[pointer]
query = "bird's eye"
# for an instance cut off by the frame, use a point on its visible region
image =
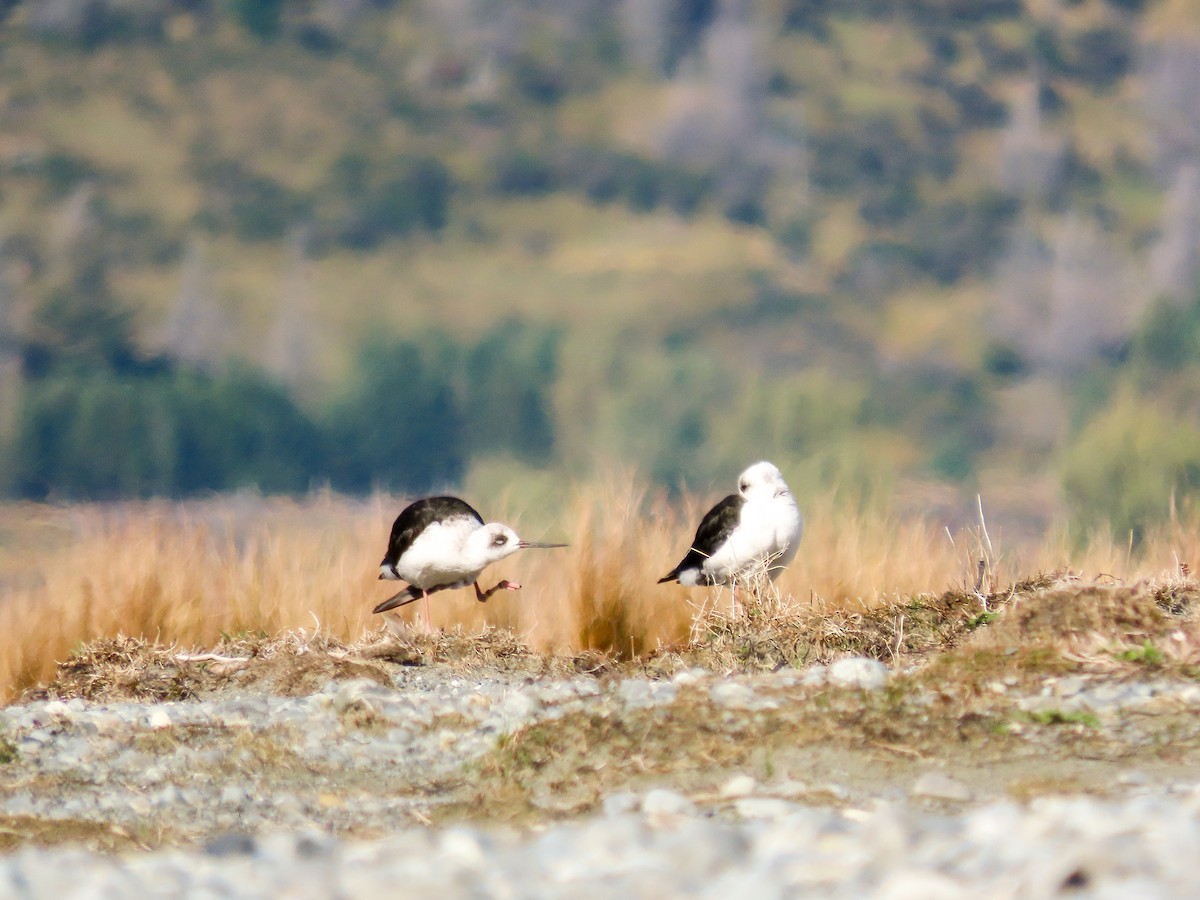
(500, 539)
(743, 486)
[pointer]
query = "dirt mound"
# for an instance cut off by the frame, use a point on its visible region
(1049, 623)
(295, 664)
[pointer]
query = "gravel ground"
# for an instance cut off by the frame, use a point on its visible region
(1141, 847)
(1084, 785)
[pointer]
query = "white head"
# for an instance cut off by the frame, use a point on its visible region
(762, 481)
(496, 541)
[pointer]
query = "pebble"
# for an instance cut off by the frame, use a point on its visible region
(355, 695)
(732, 694)
(790, 789)
(1069, 686)
(158, 718)
(246, 836)
(739, 786)
(691, 676)
(815, 676)
(1140, 847)
(763, 808)
(640, 694)
(858, 672)
(938, 786)
(620, 803)
(661, 804)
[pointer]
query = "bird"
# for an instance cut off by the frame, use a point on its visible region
(749, 534)
(439, 543)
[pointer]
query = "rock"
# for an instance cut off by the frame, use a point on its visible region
(691, 676)
(763, 808)
(815, 676)
(637, 693)
(938, 786)
(858, 672)
(56, 709)
(732, 694)
(462, 847)
(158, 718)
(913, 884)
(790, 789)
(313, 846)
(1189, 695)
(166, 796)
(739, 786)
(358, 695)
(620, 803)
(518, 707)
(661, 806)
(36, 739)
(232, 844)
(1069, 686)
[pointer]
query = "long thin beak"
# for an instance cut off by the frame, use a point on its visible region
(538, 545)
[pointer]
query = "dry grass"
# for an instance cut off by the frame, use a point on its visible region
(213, 573)
(295, 663)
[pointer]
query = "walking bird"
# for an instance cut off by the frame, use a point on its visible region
(440, 543)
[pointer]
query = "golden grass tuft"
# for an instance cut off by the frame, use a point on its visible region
(197, 574)
(188, 574)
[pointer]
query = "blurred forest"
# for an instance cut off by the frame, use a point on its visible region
(924, 248)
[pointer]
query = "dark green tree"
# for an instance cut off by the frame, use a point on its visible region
(103, 435)
(509, 376)
(260, 17)
(400, 426)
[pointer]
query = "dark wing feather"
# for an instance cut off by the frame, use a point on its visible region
(420, 515)
(716, 526)
(406, 596)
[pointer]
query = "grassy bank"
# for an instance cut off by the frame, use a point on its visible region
(197, 573)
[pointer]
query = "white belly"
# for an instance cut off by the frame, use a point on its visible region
(436, 557)
(764, 542)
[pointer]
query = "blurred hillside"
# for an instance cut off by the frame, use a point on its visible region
(944, 246)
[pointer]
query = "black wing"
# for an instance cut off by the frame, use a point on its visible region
(406, 596)
(420, 515)
(716, 526)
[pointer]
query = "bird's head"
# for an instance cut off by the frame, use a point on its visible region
(496, 541)
(762, 481)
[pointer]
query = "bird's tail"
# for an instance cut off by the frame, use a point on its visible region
(408, 595)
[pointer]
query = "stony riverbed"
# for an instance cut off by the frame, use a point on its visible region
(852, 779)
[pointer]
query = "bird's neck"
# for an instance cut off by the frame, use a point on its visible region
(477, 550)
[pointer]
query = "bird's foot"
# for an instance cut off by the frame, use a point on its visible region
(505, 585)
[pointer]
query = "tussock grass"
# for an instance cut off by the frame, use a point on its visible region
(1105, 628)
(237, 572)
(186, 574)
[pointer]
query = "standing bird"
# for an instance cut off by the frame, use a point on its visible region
(748, 534)
(440, 543)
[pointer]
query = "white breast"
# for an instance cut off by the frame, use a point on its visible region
(436, 556)
(767, 535)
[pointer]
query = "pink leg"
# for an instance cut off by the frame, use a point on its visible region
(505, 585)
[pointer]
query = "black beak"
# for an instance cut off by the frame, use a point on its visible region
(537, 545)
